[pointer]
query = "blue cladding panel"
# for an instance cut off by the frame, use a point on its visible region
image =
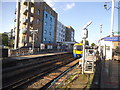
(49, 27)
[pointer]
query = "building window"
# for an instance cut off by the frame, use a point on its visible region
(36, 38)
(45, 23)
(49, 41)
(46, 15)
(50, 19)
(50, 12)
(38, 21)
(38, 12)
(45, 7)
(45, 31)
(38, 3)
(50, 33)
(50, 26)
(44, 39)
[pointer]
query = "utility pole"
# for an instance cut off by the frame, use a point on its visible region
(33, 41)
(17, 25)
(100, 38)
(112, 26)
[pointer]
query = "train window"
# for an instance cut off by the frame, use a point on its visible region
(78, 48)
(74, 47)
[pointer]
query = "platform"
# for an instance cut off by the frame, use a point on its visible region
(11, 59)
(110, 75)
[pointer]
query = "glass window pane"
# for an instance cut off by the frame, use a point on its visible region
(38, 21)
(38, 12)
(38, 3)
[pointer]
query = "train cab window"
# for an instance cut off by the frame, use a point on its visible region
(78, 48)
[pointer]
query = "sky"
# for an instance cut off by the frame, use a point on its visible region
(75, 14)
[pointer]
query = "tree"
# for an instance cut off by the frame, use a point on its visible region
(93, 44)
(86, 42)
(4, 38)
(11, 43)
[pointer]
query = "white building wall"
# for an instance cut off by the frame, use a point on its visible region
(60, 33)
(107, 52)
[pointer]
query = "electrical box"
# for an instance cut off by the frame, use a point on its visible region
(85, 34)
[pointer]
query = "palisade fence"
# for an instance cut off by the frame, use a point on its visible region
(19, 52)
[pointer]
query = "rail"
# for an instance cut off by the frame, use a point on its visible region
(16, 76)
(62, 74)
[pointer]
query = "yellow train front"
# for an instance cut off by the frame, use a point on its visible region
(78, 50)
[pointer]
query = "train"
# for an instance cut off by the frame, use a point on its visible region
(77, 50)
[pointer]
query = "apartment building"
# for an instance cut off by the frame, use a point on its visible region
(36, 22)
(69, 36)
(60, 32)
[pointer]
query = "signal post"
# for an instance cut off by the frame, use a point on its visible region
(84, 37)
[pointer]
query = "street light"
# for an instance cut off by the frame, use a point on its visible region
(33, 44)
(106, 7)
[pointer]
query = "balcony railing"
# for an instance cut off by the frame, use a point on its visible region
(25, 2)
(32, 4)
(25, 11)
(24, 31)
(24, 21)
(32, 15)
(31, 23)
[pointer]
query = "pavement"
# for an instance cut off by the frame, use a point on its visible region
(110, 75)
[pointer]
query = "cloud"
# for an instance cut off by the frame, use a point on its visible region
(69, 6)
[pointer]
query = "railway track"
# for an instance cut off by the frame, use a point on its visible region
(56, 77)
(28, 71)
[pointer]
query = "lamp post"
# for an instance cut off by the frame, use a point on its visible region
(33, 44)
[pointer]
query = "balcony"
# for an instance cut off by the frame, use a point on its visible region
(15, 20)
(24, 21)
(24, 31)
(25, 2)
(32, 15)
(32, 4)
(31, 23)
(25, 11)
(15, 11)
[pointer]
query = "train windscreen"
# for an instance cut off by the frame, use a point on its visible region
(78, 47)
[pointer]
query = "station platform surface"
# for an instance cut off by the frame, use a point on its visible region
(110, 75)
(37, 55)
(34, 55)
